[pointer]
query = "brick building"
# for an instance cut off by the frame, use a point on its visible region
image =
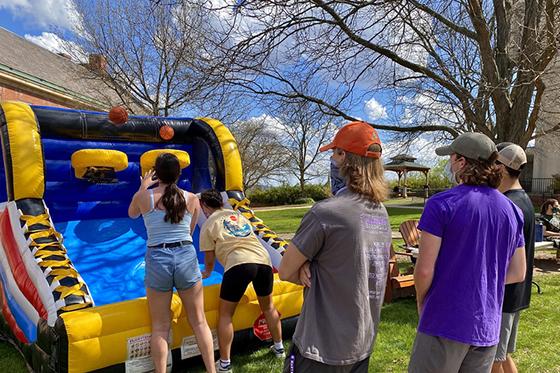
(32, 74)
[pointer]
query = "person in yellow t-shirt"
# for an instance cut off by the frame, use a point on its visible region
(227, 235)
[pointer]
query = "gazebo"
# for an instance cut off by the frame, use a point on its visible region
(402, 164)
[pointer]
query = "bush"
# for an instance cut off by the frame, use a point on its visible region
(287, 195)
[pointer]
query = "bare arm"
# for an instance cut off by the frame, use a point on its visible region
(425, 265)
(517, 267)
(292, 261)
(194, 208)
(134, 208)
(209, 260)
(551, 234)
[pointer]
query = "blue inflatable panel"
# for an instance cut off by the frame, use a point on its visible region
(70, 198)
(109, 255)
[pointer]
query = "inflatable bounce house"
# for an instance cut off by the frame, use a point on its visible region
(71, 261)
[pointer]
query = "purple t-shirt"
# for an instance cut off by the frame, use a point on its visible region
(480, 230)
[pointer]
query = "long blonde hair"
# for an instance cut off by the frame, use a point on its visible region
(365, 176)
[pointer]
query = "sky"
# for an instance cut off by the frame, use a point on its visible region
(39, 20)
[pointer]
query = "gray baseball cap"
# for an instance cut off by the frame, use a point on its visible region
(472, 145)
(513, 156)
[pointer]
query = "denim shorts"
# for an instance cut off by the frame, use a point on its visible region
(172, 267)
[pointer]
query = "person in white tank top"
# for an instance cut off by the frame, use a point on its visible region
(171, 262)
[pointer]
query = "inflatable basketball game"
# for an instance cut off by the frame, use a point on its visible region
(71, 261)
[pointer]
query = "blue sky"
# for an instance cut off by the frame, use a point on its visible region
(37, 21)
(34, 17)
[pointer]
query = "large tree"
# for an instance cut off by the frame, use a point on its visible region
(263, 156)
(302, 130)
(451, 65)
(151, 51)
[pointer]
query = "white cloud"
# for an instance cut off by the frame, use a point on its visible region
(375, 110)
(44, 13)
(271, 122)
(55, 44)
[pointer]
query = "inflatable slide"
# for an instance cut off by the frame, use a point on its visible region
(71, 261)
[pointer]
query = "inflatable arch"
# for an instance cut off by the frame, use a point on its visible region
(72, 262)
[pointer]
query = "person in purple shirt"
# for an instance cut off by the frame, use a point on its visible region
(471, 245)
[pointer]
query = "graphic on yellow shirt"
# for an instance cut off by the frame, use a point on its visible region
(236, 227)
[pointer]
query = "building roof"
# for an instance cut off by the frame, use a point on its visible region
(403, 162)
(31, 67)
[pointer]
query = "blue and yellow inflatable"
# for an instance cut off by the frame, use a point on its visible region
(72, 262)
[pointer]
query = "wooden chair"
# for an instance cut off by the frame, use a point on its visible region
(398, 285)
(411, 236)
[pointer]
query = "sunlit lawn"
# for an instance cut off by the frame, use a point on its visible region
(538, 343)
(537, 348)
(287, 221)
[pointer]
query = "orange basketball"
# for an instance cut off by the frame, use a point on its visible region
(118, 115)
(166, 132)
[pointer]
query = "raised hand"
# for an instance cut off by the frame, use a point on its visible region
(148, 180)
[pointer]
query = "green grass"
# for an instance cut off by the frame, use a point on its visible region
(10, 360)
(287, 221)
(537, 345)
(398, 215)
(410, 201)
(283, 221)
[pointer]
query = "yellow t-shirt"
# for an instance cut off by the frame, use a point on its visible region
(231, 236)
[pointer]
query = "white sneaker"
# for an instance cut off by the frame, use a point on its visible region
(279, 353)
(221, 369)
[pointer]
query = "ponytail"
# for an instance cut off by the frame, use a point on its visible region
(174, 202)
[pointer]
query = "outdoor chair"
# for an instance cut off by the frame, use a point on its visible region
(398, 285)
(411, 236)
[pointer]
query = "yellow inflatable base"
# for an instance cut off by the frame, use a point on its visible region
(107, 335)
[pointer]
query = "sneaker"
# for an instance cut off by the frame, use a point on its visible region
(227, 369)
(278, 352)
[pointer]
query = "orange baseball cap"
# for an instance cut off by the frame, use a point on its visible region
(355, 137)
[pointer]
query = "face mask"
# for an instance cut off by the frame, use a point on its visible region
(450, 174)
(337, 182)
(555, 210)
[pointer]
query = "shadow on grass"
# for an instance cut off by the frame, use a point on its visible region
(401, 311)
(248, 353)
(547, 265)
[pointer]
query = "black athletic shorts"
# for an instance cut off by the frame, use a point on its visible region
(237, 278)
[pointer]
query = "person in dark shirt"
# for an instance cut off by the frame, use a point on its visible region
(549, 218)
(512, 159)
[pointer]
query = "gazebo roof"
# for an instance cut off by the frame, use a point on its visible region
(403, 162)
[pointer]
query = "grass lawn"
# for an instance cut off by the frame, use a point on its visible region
(410, 201)
(537, 346)
(10, 360)
(283, 221)
(287, 221)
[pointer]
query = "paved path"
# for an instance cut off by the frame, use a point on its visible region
(289, 236)
(292, 207)
(276, 208)
(405, 207)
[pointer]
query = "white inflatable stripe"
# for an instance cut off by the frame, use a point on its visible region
(33, 269)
